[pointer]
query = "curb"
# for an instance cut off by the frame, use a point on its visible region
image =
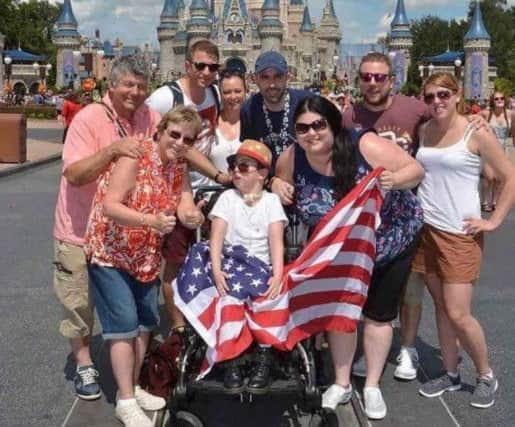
(29, 165)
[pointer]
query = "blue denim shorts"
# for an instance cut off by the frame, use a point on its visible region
(125, 306)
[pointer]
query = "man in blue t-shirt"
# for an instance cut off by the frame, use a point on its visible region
(267, 116)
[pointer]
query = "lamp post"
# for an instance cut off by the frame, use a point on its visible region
(335, 60)
(8, 70)
(457, 68)
(41, 71)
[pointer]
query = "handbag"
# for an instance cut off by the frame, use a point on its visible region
(160, 371)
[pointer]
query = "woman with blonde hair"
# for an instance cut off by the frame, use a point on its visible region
(451, 152)
(138, 201)
(502, 121)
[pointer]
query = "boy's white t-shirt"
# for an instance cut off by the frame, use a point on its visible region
(248, 225)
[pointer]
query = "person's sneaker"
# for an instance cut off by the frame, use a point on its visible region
(407, 364)
(131, 415)
(484, 393)
(86, 383)
(375, 407)
(335, 395)
(359, 367)
(148, 401)
(436, 387)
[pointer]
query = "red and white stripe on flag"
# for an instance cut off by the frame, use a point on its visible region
(323, 290)
(326, 287)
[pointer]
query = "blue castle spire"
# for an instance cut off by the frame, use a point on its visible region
(330, 8)
(67, 17)
(271, 5)
(400, 17)
(169, 9)
(297, 2)
(306, 21)
(198, 5)
(477, 29)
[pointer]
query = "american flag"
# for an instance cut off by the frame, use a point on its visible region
(324, 289)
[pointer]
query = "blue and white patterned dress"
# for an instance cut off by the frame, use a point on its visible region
(401, 214)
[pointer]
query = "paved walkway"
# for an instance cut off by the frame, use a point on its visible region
(38, 151)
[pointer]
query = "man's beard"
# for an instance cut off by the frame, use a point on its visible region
(382, 101)
(274, 99)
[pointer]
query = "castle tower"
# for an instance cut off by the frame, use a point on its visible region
(198, 26)
(67, 40)
(165, 34)
(399, 46)
(271, 28)
(295, 12)
(306, 40)
(330, 36)
(477, 45)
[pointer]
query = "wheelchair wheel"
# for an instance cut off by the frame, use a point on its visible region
(160, 418)
(186, 419)
(324, 419)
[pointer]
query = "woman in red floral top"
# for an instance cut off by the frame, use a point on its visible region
(137, 202)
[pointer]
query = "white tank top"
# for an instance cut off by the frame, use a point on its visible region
(449, 191)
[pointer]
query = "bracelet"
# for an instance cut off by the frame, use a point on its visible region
(217, 176)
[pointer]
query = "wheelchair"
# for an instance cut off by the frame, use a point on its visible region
(293, 373)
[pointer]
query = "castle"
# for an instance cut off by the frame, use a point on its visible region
(242, 29)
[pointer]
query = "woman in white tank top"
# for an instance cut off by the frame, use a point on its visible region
(451, 152)
(233, 93)
(502, 121)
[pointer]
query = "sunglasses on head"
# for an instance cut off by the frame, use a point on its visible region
(499, 98)
(201, 66)
(185, 139)
(443, 95)
(317, 126)
(378, 77)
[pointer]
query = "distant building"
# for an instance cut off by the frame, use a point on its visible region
(242, 29)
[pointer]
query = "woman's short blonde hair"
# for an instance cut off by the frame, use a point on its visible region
(181, 115)
(448, 81)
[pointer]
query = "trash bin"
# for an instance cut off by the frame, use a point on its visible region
(13, 138)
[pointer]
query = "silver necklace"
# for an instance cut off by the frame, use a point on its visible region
(278, 142)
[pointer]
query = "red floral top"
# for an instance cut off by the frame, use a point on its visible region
(136, 250)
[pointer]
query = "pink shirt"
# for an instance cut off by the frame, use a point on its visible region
(90, 132)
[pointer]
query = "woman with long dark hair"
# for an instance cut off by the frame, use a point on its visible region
(321, 169)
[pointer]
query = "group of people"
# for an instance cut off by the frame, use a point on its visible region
(132, 163)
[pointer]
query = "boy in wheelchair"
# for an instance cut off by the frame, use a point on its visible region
(242, 261)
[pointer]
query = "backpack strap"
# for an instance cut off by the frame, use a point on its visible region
(178, 96)
(216, 95)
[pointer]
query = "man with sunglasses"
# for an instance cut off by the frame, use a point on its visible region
(195, 89)
(267, 116)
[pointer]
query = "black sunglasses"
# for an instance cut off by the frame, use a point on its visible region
(201, 66)
(499, 98)
(378, 77)
(185, 139)
(317, 126)
(443, 95)
(243, 166)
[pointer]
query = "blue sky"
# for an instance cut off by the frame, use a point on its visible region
(362, 21)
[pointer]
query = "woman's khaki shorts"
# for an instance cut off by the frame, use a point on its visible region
(454, 258)
(72, 290)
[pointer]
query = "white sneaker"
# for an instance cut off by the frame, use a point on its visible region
(335, 395)
(148, 401)
(375, 408)
(131, 415)
(407, 364)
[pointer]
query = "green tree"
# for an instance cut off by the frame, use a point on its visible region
(30, 26)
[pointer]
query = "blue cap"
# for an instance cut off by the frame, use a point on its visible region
(271, 59)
